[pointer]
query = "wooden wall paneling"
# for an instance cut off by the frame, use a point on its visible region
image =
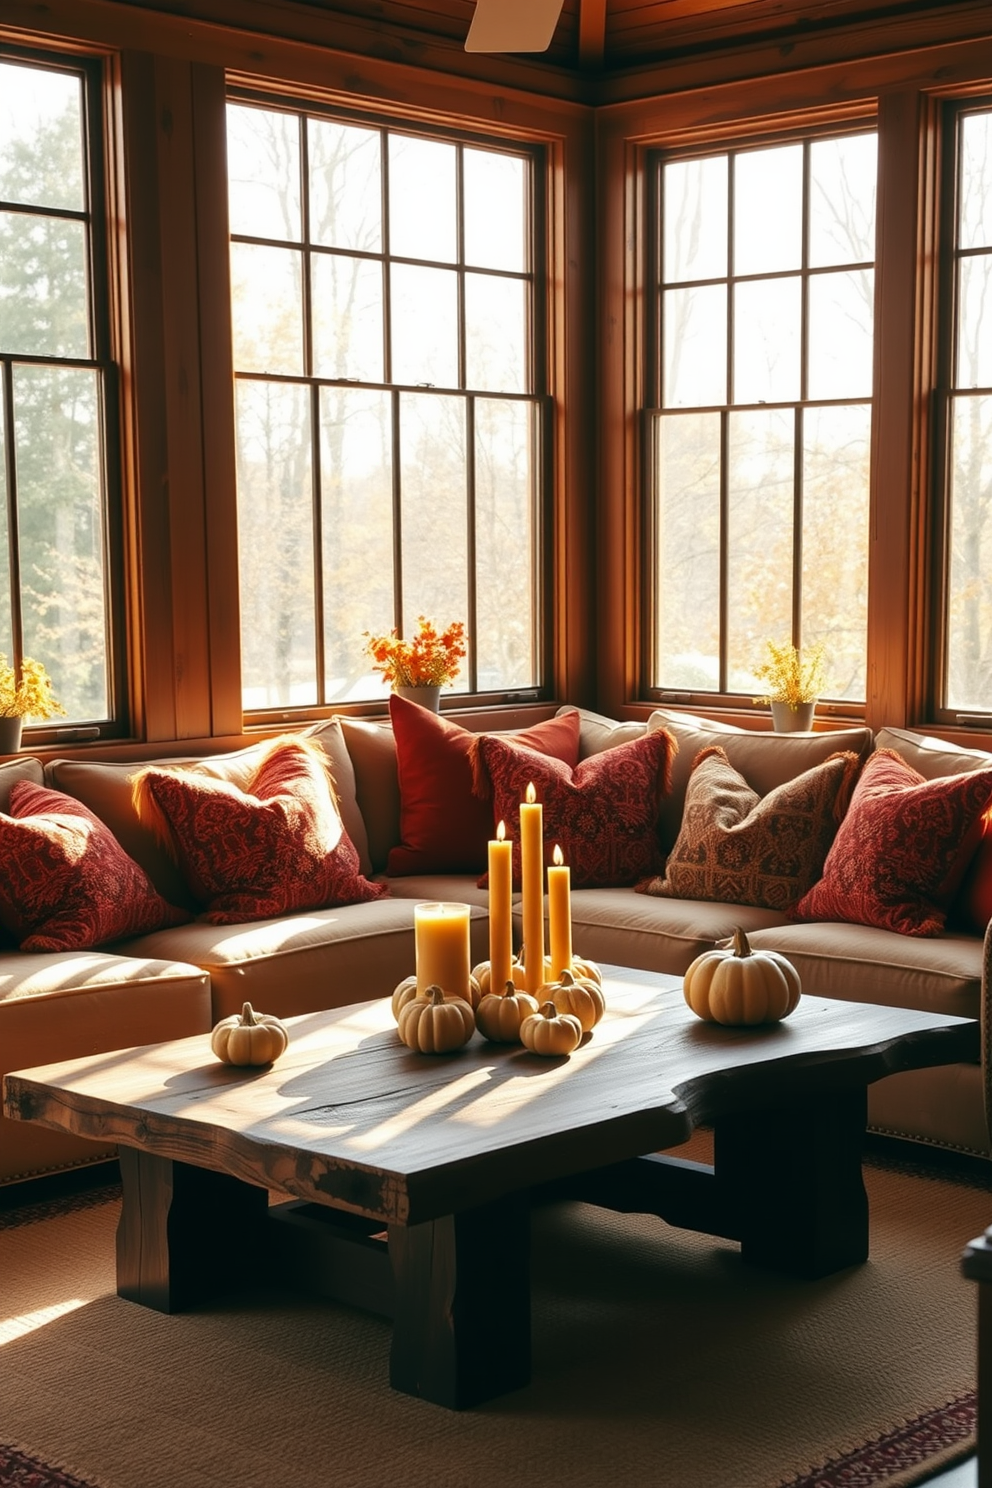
(167, 387)
(217, 372)
(895, 468)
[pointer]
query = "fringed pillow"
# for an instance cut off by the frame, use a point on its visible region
(274, 847)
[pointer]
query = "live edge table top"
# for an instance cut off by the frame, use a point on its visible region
(351, 1118)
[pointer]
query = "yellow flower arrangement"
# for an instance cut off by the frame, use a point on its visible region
(29, 696)
(793, 676)
(430, 659)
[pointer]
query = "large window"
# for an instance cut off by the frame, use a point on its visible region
(389, 380)
(759, 435)
(968, 379)
(54, 587)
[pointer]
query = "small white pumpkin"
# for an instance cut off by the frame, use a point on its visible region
(249, 1038)
(734, 985)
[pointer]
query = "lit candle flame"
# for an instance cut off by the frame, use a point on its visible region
(501, 832)
(557, 857)
(530, 795)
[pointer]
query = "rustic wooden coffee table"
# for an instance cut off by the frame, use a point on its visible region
(413, 1176)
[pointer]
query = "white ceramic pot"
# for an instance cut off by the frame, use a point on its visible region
(788, 720)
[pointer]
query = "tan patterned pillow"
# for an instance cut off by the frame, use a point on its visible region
(737, 847)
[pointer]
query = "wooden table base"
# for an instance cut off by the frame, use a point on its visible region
(786, 1184)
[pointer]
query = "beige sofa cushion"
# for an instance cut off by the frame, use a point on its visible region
(765, 759)
(303, 962)
(58, 1006)
(931, 757)
(597, 732)
(11, 771)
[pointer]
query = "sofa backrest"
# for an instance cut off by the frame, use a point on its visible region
(11, 771)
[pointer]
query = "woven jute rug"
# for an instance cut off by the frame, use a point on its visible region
(660, 1358)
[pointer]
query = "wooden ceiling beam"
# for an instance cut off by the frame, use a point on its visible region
(592, 33)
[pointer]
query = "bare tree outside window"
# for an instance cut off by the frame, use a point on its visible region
(759, 453)
(387, 401)
(54, 593)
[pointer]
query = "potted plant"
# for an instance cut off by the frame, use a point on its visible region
(28, 695)
(420, 667)
(795, 679)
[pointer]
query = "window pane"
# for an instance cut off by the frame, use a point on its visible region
(695, 212)
(275, 545)
(842, 200)
(267, 308)
(41, 138)
(425, 325)
(506, 558)
(422, 199)
(835, 541)
(768, 210)
(263, 168)
(695, 365)
(687, 518)
(61, 535)
(976, 182)
(435, 513)
(6, 627)
(44, 301)
(840, 334)
(969, 618)
(347, 317)
(356, 494)
(760, 485)
(495, 210)
(345, 186)
(766, 340)
(495, 333)
(975, 322)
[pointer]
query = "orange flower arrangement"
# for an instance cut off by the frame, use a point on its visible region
(430, 659)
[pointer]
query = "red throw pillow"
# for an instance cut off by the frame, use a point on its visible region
(66, 884)
(902, 849)
(274, 847)
(972, 907)
(603, 814)
(444, 826)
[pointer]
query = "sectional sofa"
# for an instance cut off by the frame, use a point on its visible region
(180, 980)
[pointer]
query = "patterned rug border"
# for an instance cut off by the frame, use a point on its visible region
(21, 1469)
(58, 1205)
(948, 1428)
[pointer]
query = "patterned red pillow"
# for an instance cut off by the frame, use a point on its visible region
(902, 849)
(66, 884)
(603, 814)
(737, 847)
(253, 854)
(444, 827)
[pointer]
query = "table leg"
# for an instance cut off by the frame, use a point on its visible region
(461, 1326)
(184, 1232)
(792, 1180)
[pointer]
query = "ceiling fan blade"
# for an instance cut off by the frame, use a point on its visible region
(513, 25)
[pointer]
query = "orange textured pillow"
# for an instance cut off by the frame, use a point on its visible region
(444, 826)
(736, 847)
(972, 907)
(902, 849)
(603, 814)
(276, 846)
(66, 884)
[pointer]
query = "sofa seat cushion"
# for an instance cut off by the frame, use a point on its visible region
(861, 963)
(622, 928)
(58, 1006)
(302, 963)
(450, 888)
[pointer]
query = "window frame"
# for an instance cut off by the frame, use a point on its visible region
(535, 151)
(736, 137)
(96, 116)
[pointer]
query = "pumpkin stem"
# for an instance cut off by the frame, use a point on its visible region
(548, 1010)
(566, 979)
(510, 990)
(435, 993)
(742, 946)
(248, 1019)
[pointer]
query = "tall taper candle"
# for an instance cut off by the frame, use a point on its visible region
(560, 915)
(532, 888)
(500, 901)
